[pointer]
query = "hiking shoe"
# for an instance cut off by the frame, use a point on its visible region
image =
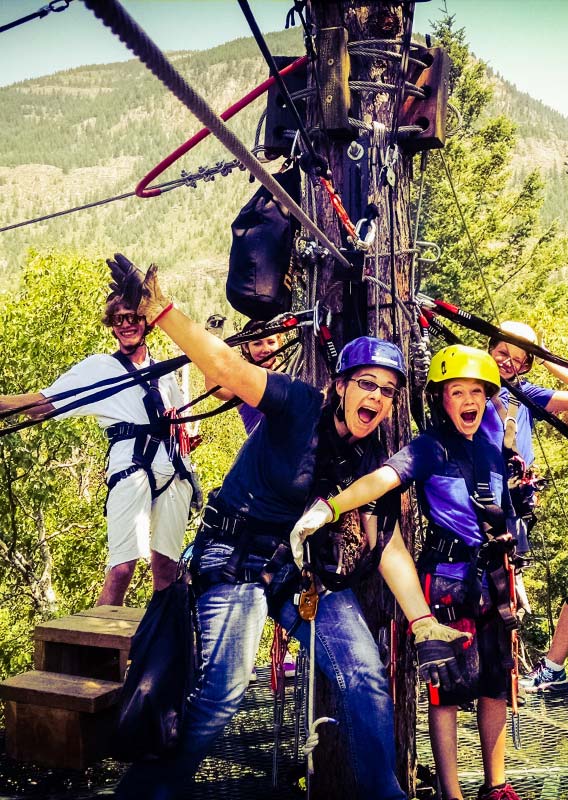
(542, 677)
(504, 792)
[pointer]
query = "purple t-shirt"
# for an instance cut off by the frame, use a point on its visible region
(492, 425)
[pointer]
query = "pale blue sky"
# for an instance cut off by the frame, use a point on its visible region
(521, 39)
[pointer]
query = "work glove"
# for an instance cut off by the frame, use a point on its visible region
(153, 300)
(126, 281)
(436, 647)
(318, 515)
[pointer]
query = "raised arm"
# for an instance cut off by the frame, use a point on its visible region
(218, 362)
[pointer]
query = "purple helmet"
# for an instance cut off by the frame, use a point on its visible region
(367, 351)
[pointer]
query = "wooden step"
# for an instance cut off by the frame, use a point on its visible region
(52, 689)
(62, 721)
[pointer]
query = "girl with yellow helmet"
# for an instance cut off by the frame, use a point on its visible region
(462, 485)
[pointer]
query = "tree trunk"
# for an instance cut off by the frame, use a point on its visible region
(357, 182)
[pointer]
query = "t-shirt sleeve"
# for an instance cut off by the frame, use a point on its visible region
(418, 460)
(538, 394)
(81, 374)
(286, 396)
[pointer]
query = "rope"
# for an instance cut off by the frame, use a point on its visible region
(110, 386)
(119, 21)
(55, 5)
(222, 168)
(390, 88)
(467, 233)
(141, 190)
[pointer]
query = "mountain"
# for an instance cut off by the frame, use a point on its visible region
(87, 134)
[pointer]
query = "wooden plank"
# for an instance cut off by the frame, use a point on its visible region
(57, 737)
(114, 612)
(88, 630)
(71, 692)
(107, 664)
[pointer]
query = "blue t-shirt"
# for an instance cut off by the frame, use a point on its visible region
(493, 427)
(273, 475)
(250, 416)
(430, 460)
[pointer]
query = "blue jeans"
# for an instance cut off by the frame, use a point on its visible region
(231, 618)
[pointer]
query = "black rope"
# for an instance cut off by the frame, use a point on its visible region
(55, 5)
(110, 386)
(474, 323)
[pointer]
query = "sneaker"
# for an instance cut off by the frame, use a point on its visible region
(504, 792)
(542, 677)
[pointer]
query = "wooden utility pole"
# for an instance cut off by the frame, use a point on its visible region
(361, 307)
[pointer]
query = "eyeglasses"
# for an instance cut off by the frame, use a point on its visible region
(132, 319)
(371, 386)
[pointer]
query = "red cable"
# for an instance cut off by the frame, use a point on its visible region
(204, 132)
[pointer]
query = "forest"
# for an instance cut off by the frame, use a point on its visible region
(101, 129)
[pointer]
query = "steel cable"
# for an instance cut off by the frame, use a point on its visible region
(114, 16)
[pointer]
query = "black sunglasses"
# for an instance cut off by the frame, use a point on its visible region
(131, 318)
(371, 386)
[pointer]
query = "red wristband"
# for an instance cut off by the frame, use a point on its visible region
(412, 621)
(162, 313)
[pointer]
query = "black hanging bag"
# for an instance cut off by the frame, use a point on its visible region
(160, 677)
(258, 282)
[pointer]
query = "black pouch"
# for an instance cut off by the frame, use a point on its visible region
(161, 675)
(258, 282)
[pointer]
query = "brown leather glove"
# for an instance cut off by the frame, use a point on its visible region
(153, 300)
(436, 647)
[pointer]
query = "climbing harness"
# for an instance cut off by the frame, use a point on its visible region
(147, 438)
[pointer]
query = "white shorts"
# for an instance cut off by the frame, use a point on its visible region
(132, 514)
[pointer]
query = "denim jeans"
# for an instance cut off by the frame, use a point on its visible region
(231, 618)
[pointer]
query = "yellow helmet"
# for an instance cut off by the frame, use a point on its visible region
(459, 361)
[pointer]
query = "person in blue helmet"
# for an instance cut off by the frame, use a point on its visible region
(461, 482)
(242, 565)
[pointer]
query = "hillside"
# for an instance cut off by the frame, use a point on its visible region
(90, 133)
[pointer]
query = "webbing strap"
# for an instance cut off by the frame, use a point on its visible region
(508, 418)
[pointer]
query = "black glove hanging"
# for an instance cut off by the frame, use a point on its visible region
(126, 281)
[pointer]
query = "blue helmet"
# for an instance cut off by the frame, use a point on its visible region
(367, 351)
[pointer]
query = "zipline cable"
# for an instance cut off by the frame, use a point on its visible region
(114, 16)
(468, 234)
(54, 5)
(222, 168)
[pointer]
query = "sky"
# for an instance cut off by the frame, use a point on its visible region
(523, 40)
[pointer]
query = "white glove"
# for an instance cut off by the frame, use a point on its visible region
(318, 515)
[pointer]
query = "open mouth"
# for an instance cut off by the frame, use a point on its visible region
(366, 415)
(469, 417)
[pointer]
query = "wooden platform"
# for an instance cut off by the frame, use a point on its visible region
(63, 713)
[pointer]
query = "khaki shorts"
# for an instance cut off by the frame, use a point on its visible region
(132, 517)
